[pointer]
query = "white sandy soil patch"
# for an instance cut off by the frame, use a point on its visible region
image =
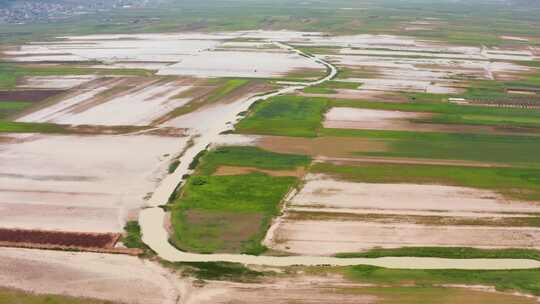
(138, 106)
(353, 118)
(54, 82)
(146, 48)
(239, 64)
(326, 192)
(65, 105)
(330, 237)
(119, 278)
(303, 289)
(83, 183)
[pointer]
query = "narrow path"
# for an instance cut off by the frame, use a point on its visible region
(156, 236)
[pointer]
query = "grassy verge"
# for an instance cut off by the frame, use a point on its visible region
(446, 252)
(8, 108)
(30, 127)
(20, 297)
(285, 115)
(231, 213)
(330, 87)
(516, 150)
(133, 238)
(431, 220)
(517, 183)
(224, 271)
(432, 295)
(526, 281)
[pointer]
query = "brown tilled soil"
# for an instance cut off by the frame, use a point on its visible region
(234, 228)
(234, 170)
(364, 95)
(28, 95)
(60, 238)
(320, 146)
(306, 73)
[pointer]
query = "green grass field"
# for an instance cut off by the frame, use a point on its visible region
(250, 157)
(526, 281)
(330, 87)
(432, 295)
(285, 115)
(207, 218)
(30, 127)
(8, 108)
(447, 252)
(10, 296)
(515, 150)
(517, 183)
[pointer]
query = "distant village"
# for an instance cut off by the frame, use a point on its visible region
(14, 12)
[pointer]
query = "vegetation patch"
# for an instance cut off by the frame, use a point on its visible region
(31, 127)
(515, 150)
(526, 281)
(8, 108)
(250, 157)
(21, 297)
(206, 218)
(223, 271)
(446, 252)
(286, 115)
(331, 87)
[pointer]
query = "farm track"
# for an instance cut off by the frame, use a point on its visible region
(156, 236)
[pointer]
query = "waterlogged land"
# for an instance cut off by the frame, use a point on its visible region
(278, 150)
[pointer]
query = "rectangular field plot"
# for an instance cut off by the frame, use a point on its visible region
(40, 238)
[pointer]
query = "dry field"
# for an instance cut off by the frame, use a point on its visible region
(116, 278)
(79, 183)
(104, 102)
(367, 119)
(330, 216)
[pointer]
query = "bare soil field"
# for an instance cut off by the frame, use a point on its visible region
(119, 102)
(361, 94)
(240, 64)
(54, 82)
(322, 191)
(27, 95)
(329, 288)
(367, 119)
(329, 216)
(79, 183)
(330, 237)
(353, 118)
(232, 170)
(58, 238)
(117, 278)
(320, 146)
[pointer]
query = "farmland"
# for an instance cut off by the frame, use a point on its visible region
(206, 219)
(330, 151)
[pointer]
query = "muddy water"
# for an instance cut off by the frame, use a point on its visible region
(156, 237)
